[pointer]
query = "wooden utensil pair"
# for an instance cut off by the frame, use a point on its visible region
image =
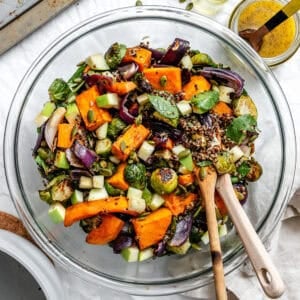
(266, 272)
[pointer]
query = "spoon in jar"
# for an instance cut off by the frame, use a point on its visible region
(255, 36)
(263, 266)
(206, 178)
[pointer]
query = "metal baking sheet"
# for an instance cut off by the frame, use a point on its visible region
(11, 9)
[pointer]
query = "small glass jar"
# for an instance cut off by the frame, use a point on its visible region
(233, 24)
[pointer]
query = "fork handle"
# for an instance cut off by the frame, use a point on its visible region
(287, 11)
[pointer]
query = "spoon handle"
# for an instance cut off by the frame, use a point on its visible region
(266, 271)
(287, 11)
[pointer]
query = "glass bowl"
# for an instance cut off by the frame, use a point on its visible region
(275, 149)
(270, 61)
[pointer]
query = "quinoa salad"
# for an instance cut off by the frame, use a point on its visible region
(119, 144)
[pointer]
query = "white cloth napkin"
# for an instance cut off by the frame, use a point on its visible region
(285, 247)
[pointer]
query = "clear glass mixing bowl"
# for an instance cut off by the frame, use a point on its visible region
(275, 148)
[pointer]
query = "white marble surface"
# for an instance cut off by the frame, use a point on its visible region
(16, 61)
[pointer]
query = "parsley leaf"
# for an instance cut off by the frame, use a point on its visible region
(238, 128)
(206, 100)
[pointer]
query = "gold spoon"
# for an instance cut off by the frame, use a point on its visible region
(255, 36)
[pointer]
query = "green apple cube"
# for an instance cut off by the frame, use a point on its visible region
(109, 100)
(130, 254)
(97, 62)
(77, 197)
(56, 212)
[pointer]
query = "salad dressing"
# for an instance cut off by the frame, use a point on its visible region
(279, 39)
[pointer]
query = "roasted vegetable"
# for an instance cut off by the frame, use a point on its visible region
(164, 180)
(88, 209)
(59, 90)
(182, 231)
(175, 52)
(115, 54)
(255, 170)
(152, 228)
(85, 155)
(138, 55)
(106, 232)
(115, 127)
(244, 105)
(118, 179)
(64, 137)
(129, 141)
(135, 175)
(164, 78)
(225, 77)
(196, 85)
(91, 223)
(224, 163)
(92, 115)
(179, 203)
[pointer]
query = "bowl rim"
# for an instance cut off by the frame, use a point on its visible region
(183, 16)
(34, 261)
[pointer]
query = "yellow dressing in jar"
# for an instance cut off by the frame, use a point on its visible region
(279, 39)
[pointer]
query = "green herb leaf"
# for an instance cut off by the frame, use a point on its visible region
(205, 100)
(238, 128)
(244, 169)
(164, 107)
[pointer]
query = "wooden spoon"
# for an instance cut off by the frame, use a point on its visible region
(255, 36)
(207, 186)
(266, 272)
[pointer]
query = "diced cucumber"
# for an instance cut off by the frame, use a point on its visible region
(224, 93)
(177, 149)
(101, 131)
(85, 182)
(98, 181)
(134, 193)
(61, 161)
(130, 254)
(222, 230)
(77, 197)
(114, 160)
(137, 204)
(97, 194)
(57, 213)
(236, 153)
(182, 249)
(72, 113)
(103, 146)
(156, 202)
(109, 100)
(145, 151)
(97, 62)
(205, 238)
(142, 99)
(45, 113)
(187, 162)
(186, 62)
(184, 107)
(145, 254)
